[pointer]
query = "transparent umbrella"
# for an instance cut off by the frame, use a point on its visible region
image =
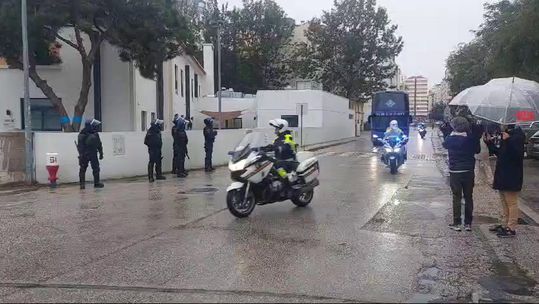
(502, 100)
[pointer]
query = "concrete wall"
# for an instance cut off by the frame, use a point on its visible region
(12, 159)
(273, 104)
(132, 161)
(116, 91)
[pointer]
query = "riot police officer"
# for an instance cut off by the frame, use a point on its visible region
(174, 145)
(180, 147)
(154, 142)
(209, 139)
(89, 145)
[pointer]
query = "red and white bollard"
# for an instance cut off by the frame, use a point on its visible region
(52, 168)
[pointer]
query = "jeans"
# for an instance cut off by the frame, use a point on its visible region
(510, 209)
(462, 185)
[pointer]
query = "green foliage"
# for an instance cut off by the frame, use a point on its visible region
(252, 39)
(350, 49)
(506, 45)
(437, 111)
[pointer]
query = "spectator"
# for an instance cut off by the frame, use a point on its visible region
(462, 146)
(508, 177)
(190, 124)
(446, 129)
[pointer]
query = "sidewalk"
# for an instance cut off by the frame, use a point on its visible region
(516, 260)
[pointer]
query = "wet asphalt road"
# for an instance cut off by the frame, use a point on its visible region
(175, 241)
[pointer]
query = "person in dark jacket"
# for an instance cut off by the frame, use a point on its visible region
(89, 145)
(209, 139)
(509, 176)
(180, 147)
(462, 145)
(446, 129)
(174, 145)
(154, 142)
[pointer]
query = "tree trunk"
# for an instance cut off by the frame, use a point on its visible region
(54, 99)
(83, 97)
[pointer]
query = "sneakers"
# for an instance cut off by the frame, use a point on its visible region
(160, 177)
(468, 227)
(455, 227)
(99, 185)
(506, 233)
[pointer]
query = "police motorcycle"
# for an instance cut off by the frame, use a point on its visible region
(422, 130)
(256, 180)
(394, 152)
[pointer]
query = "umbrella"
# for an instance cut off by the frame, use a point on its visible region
(502, 100)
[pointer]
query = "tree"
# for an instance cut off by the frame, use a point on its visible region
(438, 110)
(467, 66)
(145, 32)
(506, 45)
(253, 38)
(351, 49)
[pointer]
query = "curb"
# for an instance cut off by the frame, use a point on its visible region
(329, 144)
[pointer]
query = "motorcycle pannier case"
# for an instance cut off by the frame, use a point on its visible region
(308, 169)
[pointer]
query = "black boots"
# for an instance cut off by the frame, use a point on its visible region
(97, 183)
(150, 173)
(82, 181)
(159, 171)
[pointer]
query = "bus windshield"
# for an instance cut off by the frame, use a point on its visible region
(390, 102)
(381, 123)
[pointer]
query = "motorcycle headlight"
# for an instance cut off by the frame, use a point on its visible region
(389, 150)
(237, 166)
(375, 136)
(397, 150)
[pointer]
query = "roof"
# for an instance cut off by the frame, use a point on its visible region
(225, 115)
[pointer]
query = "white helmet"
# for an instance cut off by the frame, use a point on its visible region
(280, 125)
(394, 124)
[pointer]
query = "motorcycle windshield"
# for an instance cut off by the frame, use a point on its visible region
(250, 142)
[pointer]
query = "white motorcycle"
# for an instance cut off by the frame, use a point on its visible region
(256, 181)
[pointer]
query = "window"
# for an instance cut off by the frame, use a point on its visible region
(176, 78)
(192, 88)
(196, 85)
(292, 120)
(235, 123)
(181, 81)
(44, 116)
(143, 120)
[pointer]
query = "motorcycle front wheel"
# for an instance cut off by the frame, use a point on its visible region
(303, 199)
(238, 204)
(393, 166)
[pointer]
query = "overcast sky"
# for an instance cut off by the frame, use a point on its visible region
(430, 28)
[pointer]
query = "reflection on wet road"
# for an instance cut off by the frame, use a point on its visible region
(175, 241)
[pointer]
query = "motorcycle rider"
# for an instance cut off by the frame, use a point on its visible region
(209, 139)
(89, 145)
(154, 142)
(394, 131)
(180, 147)
(285, 148)
(422, 129)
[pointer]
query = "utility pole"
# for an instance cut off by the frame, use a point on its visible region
(29, 147)
(218, 24)
(415, 97)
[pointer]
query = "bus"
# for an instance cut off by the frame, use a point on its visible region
(388, 106)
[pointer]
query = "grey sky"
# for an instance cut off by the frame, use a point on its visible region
(430, 28)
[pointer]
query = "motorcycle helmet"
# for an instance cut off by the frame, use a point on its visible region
(280, 125)
(394, 124)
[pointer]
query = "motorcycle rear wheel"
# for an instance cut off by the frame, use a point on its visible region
(238, 205)
(303, 199)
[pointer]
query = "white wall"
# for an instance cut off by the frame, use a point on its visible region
(273, 104)
(64, 78)
(116, 91)
(134, 162)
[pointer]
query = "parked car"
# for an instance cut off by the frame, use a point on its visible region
(533, 146)
(530, 129)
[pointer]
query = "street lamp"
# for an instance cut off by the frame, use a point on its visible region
(29, 153)
(218, 24)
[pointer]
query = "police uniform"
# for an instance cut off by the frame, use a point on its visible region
(154, 142)
(89, 145)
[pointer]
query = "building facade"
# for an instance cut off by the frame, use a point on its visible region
(418, 91)
(120, 97)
